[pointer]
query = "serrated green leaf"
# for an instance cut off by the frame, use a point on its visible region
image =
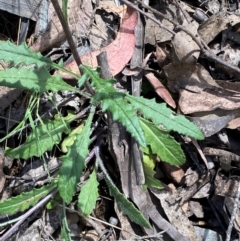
(126, 206)
(148, 166)
(162, 144)
(25, 200)
(115, 103)
(82, 80)
(160, 114)
(10, 52)
(32, 79)
(42, 139)
(74, 162)
(69, 140)
(88, 195)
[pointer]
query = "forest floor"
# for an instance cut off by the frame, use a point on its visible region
(139, 143)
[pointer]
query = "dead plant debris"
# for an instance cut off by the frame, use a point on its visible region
(182, 53)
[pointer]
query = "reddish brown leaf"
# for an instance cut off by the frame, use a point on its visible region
(119, 52)
(160, 89)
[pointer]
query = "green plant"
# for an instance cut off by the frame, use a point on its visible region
(33, 75)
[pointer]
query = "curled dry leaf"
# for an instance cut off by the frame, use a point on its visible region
(119, 52)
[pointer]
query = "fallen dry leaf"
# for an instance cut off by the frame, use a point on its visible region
(211, 123)
(119, 52)
(175, 173)
(233, 124)
(162, 53)
(160, 89)
(216, 24)
(153, 33)
(198, 91)
(79, 13)
(185, 49)
(176, 216)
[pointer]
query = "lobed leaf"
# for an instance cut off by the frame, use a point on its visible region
(126, 206)
(42, 139)
(74, 162)
(148, 167)
(10, 52)
(69, 140)
(25, 200)
(115, 103)
(88, 195)
(162, 144)
(32, 79)
(160, 114)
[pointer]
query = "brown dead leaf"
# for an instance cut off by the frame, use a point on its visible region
(119, 52)
(79, 13)
(178, 218)
(196, 208)
(233, 124)
(110, 6)
(160, 89)
(153, 33)
(185, 49)
(216, 24)
(162, 54)
(224, 186)
(212, 122)
(198, 91)
(175, 173)
(212, 125)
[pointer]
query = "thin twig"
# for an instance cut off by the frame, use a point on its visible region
(67, 32)
(70, 40)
